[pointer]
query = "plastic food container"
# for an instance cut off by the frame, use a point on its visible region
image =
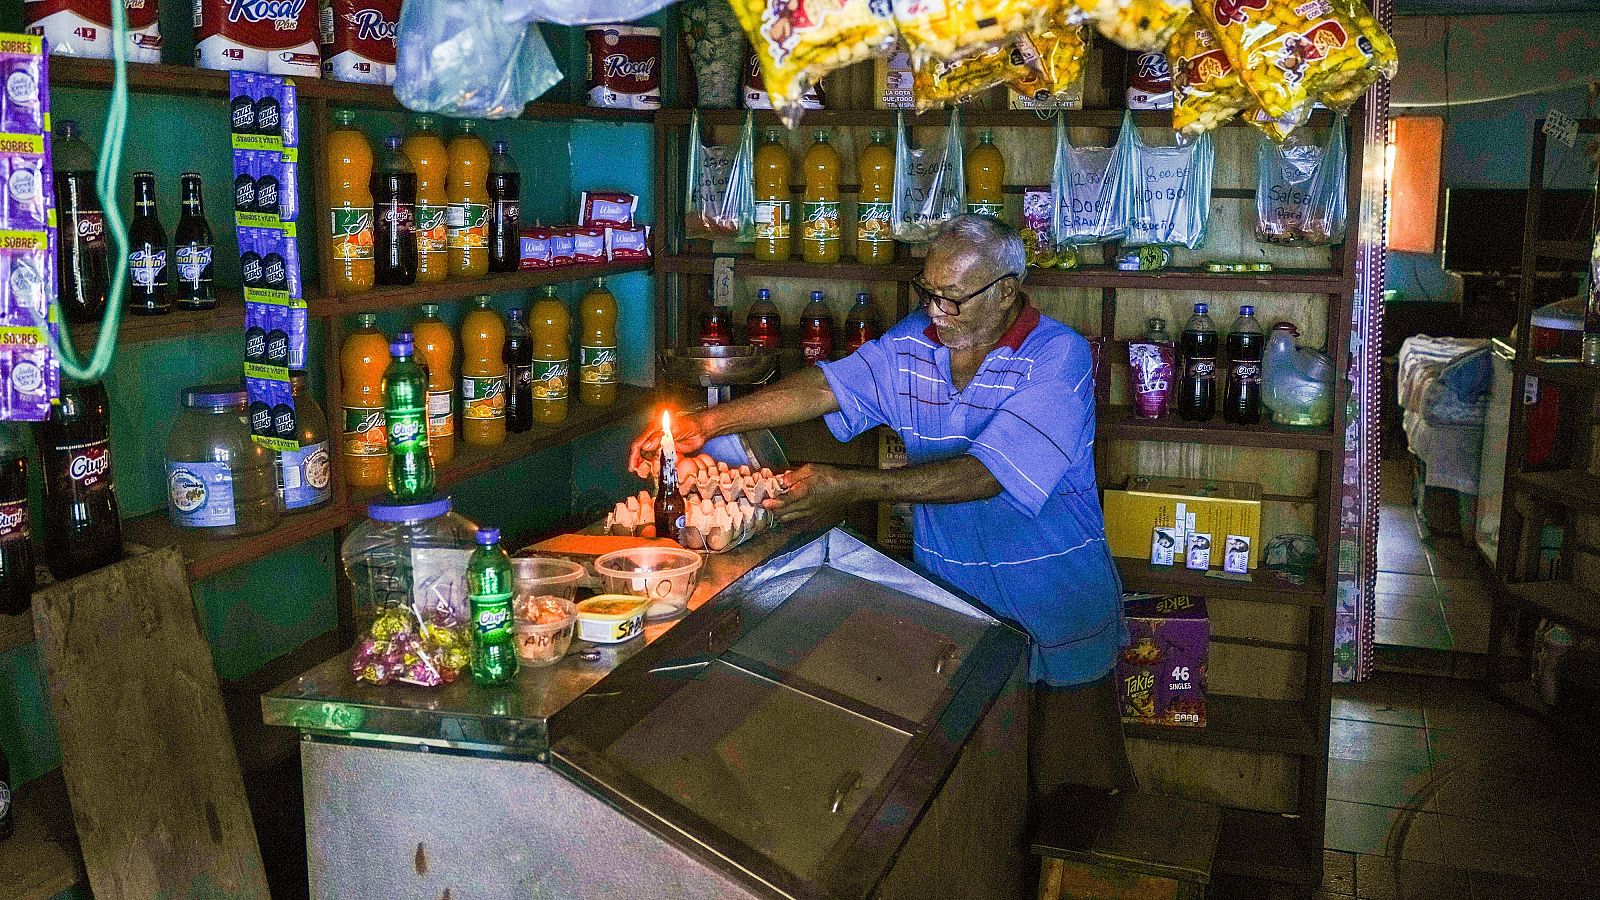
(543, 610)
(546, 575)
(666, 576)
(611, 618)
(219, 482)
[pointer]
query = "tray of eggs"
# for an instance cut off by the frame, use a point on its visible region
(722, 505)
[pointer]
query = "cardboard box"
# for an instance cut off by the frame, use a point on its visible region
(894, 519)
(892, 84)
(1161, 674)
(1220, 508)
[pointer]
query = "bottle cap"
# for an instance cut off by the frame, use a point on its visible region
(763, 294)
(1156, 323)
(863, 297)
(406, 336)
(1247, 310)
(430, 310)
(1201, 309)
(816, 295)
(344, 116)
(367, 320)
(214, 396)
(501, 147)
(67, 128)
(514, 314)
(400, 348)
(396, 511)
(487, 536)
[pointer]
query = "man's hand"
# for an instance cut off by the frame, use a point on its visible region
(689, 433)
(816, 494)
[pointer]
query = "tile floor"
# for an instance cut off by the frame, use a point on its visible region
(1429, 592)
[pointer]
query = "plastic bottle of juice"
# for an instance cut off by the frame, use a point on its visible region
(428, 157)
(469, 205)
(816, 330)
(362, 361)
(985, 176)
(763, 325)
(773, 167)
(552, 357)
(483, 375)
(820, 234)
(436, 350)
(874, 227)
(350, 197)
(597, 346)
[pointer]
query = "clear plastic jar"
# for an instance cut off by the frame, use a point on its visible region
(407, 565)
(305, 475)
(218, 480)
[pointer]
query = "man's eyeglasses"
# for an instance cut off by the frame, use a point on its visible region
(926, 296)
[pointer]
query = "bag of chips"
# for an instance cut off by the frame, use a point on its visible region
(1206, 90)
(1384, 59)
(1287, 52)
(1300, 189)
(1137, 25)
(720, 187)
(946, 29)
(799, 41)
(1061, 49)
(938, 81)
(929, 183)
(1280, 128)
(1084, 181)
(1165, 191)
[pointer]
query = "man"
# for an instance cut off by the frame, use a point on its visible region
(995, 404)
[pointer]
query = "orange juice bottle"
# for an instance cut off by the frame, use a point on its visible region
(350, 197)
(469, 206)
(986, 176)
(365, 445)
(426, 151)
(552, 357)
(597, 346)
(820, 234)
(436, 351)
(483, 375)
(874, 226)
(772, 198)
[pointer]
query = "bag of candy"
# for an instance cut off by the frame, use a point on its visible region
(929, 184)
(940, 81)
(1084, 181)
(1061, 48)
(947, 29)
(1300, 189)
(1137, 25)
(720, 188)
(799, 41)
(1206, 90)
(1288, 52)
(1166, 191)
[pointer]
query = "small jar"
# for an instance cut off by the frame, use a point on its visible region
(218, 480)
(304, 475)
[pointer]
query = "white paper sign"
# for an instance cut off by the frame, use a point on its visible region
(1562, 127)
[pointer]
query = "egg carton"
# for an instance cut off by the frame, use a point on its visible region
(722, 506)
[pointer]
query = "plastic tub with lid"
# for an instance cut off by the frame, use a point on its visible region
(611, 618)
(544, 611)
(305, 474)
(218, 480)
(666, 576)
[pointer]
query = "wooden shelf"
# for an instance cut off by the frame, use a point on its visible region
(1264, 586)
(1242, 723)
(972, 118)
(207, 556)
(41, 859)
(500, 283)
(1564, 602)
(1264, 846)
(749, 266)
(1123, 424)
(229, 314)
(1577, 491)
(1570, 374)
(1570, 251)
(582, 421)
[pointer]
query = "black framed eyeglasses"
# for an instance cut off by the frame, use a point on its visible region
(926, 296)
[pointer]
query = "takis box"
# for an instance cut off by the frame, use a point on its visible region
(1161, 674)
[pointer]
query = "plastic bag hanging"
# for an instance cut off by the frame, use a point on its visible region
(578, 12)
(1084, 183)
(719, 200)
(1300, 189)
(929, 188)
(1166, 190)
(458, 58)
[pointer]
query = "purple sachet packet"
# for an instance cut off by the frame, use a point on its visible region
(22, 85)
(1151, 367)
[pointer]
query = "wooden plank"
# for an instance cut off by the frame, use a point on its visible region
(1243, 723)
(207, 556)
(1577, 491)
(156, 790)
(41, 858)
(229, 315)
(1122, 423)
(1573, 374)
(1565, 602)
(498, 283)
(1266, 846)
(1264, 585)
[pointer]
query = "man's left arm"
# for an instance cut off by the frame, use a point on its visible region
(815, 490)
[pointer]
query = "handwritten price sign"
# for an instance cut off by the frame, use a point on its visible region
(1562, 127)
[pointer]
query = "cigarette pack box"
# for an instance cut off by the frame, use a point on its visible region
(1161, 674)
(1146, 503)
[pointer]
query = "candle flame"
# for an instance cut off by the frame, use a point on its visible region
(666, 425)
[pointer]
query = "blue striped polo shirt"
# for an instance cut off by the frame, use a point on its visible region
(1036, 553)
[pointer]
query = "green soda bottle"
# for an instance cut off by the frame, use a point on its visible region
(489, 588)
(405, 401)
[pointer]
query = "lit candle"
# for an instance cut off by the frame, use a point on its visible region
(669, 449)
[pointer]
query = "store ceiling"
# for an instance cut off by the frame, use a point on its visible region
(1489, 7)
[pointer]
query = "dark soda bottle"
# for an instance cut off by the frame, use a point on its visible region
(519, 372)
(82, 526)
(763, 326)
(716, 327)
(192, 246)
(670, 509)
(147, 252)
(489, 589)
(1197, 398)
(860, 324)
(505, 210)
(1241, 402)
(82, 257)
(394, 200)
(816, 330)
(16, 537)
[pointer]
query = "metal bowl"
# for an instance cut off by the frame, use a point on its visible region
(719, 366)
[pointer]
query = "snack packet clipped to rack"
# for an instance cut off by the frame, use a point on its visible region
(1300, 189)
(1206, 90)
(1166, 191)
(1384, 58)
(30, 329)
(796, 43)
(947, 29)
(1288, 52)
(1084, 182)
(939, 81)
(720, 202)
(1062, 49)
(1137, 25)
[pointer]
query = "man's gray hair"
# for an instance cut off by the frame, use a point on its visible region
(995, 240)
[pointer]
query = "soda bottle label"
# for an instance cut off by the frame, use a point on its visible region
(147, 267)
(821, 221)
(483, 397)
(14, 521)
(1245, 372)
(986, 209)
(772, 220)
(399, 218)
(407, 428)
(200, 494)
(306, 475)
(91, 228)
(1201, 368)
(364, 432)
(352, 232)
(440, 422)
(433, 228)
(88, 465)
(814, 351)
(469, 225)
(192, 260)
(873, 223)
(549, 377)
(491, 617)
(597, 365)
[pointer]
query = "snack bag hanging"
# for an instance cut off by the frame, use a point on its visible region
(720, 202)
(1084, 182)
(1206, 90)
(946, 29)
(1061, 48)
(1166, 191)
(938, 81)
(1288, 52)
(799, 41)
(1300, 189)
(1384, 58)
(1137, 25)
(1280, 128)
(929, 185)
